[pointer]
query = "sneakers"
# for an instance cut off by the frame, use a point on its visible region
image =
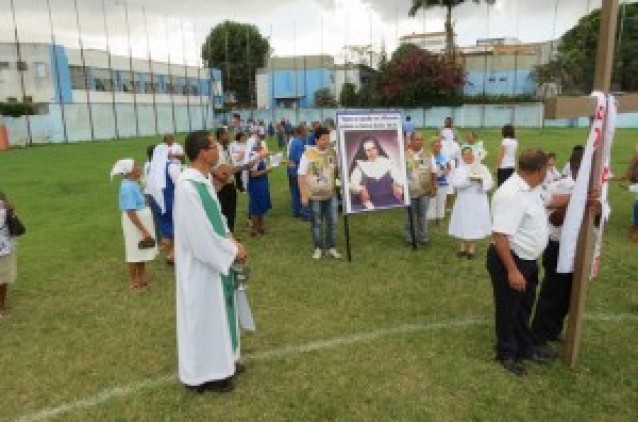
(332, 252)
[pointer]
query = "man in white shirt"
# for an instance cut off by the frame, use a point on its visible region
(519, 236)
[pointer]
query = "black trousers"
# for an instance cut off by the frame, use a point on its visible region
(227, 196)
(552, 305)
(512, 308)
(238, 182)
(503, 174)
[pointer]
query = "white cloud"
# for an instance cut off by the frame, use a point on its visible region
(296, 26)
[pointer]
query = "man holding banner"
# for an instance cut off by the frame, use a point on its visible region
(552, 304)
(316, 175)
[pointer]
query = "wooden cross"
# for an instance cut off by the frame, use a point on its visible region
(567, 107)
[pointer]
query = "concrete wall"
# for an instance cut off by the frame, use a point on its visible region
(103, 121)
(529, 115)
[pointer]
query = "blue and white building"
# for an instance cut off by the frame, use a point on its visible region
(101, 95)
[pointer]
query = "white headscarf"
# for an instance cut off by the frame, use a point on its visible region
(122, 167)
(157, 175)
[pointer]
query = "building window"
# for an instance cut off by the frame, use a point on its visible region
(77, 77)
(40, 70)
(502, 79)
(103, 80)
(193, 87)
(492, 80)
(4, 65)
(149, 87)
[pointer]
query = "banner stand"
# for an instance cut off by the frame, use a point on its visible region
(346, 227)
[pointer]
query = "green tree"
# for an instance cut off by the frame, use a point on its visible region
(324, 98)
(237, 49)
(574, 66)
(348, 95)
(449, 26)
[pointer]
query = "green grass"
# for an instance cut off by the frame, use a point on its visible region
(76, 330)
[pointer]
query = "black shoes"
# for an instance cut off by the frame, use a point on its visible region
(240, 368)
(542, 354)
(222, 386)
(513, 366)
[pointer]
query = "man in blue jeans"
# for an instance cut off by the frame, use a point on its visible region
(316, 175)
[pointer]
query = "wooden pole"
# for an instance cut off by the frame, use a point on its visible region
(584, 251)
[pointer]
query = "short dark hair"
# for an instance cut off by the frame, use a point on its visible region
(320, 131)
(195, 142)
(238, 136)
(551, 155)
(219, 132)
(532, 160)
(508, 131)
(466, 148)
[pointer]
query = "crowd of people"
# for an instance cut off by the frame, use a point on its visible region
(189, 214)
(524, 221)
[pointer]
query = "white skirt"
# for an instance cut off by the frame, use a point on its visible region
(8, 268)
(470, 218)
(132, 237)
(436, 208)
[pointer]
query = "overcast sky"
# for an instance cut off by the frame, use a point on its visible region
(293, 26)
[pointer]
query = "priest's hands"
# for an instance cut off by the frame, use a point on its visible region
(242, 254)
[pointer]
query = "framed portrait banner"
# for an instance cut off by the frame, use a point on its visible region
(372, 157)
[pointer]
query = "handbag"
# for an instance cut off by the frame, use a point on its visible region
(16, 228)
(146, 243)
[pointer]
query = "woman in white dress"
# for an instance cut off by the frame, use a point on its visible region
(470, 219)
(137, 222)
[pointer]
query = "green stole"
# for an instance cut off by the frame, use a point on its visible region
(228, 281)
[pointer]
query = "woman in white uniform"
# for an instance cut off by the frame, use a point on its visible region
(470, 219)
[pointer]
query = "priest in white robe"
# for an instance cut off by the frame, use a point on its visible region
(207, 329)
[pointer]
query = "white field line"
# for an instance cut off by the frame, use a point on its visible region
(117, 392)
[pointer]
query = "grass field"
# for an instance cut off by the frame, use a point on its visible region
(394, 335)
